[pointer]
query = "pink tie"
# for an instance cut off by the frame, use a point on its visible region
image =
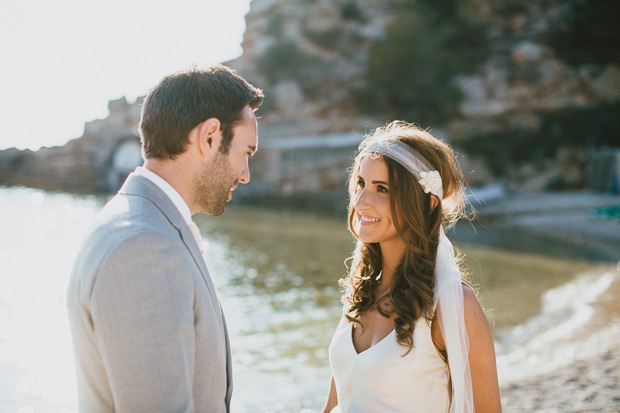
(196, 233)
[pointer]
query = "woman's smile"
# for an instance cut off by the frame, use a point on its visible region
(372, 202)
(367, 220)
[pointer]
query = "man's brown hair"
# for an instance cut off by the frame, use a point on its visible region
(183, 99)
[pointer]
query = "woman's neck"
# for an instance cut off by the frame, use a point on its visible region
(391, 254)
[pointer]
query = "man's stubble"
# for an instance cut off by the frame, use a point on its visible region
(212, 185)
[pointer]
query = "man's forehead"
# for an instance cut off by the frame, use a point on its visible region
(245, 133)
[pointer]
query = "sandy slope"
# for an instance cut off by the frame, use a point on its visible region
(591, 381)
(590, 385)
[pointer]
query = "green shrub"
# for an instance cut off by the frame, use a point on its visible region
(351, 11)
(329, 39)
(590, 33)
(275, 25)
(586, 128)
(411, 73)
(284, 60)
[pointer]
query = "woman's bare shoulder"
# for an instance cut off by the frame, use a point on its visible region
(474, 315)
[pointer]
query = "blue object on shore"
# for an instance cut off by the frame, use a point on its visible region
(607, 212)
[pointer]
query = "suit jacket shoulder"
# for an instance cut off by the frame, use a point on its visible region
(147, 326)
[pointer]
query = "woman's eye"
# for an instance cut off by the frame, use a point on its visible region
(381, 188)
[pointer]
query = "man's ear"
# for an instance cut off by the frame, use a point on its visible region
(208, 134)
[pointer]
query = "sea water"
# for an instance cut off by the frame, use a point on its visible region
(276, 272)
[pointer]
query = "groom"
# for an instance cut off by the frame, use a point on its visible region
(148, 330)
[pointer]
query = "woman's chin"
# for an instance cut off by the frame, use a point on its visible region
(368, 239)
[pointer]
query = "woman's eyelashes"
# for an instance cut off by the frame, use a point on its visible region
(380, 187)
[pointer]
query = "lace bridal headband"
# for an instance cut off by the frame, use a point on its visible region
(427, 176)
(448, 289)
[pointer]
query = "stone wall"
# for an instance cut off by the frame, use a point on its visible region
(310, 164)
(98, 161)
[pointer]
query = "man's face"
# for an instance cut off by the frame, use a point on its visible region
(213, 188)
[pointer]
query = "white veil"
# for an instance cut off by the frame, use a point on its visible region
(448, 290)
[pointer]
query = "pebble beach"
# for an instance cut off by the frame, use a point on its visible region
(589, 385)
(578, 370)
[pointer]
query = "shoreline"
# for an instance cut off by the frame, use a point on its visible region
(586, 376)
(587, 385)
(566, 216)
(578, 371)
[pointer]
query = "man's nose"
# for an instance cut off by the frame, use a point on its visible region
(244, 178)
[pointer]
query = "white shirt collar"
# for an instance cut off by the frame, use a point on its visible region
(172, 193)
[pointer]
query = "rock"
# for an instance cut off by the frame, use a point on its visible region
(99, 161)
(262, 44)
(607, 85)
(289, 99)
(475, 171)
(262, 7)
(520, 82)
(475, 101)
(496, 82)
(322, 18)
(373, 33)
(569, 161)
(550, 72)
(527, 53)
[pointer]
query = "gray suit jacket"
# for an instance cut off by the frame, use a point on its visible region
(148, 330)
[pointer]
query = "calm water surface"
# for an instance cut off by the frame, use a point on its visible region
(276, 271)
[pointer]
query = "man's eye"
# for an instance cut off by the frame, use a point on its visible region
(361, 183)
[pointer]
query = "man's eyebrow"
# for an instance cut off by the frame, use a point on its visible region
(252, 148)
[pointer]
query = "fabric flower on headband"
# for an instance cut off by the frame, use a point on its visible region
(431, 182)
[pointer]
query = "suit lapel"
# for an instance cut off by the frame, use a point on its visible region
(229, 384)
(140, 186)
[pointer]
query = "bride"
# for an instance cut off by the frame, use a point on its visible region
(413, 337)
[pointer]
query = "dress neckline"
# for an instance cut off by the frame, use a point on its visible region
(369, 348)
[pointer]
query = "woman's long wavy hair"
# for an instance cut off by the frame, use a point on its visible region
(411, 295)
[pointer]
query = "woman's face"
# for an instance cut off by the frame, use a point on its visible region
(371, 201)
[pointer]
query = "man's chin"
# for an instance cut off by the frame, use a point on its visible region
(214, 210)
(219, 211)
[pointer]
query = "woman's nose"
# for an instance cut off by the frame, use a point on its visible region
(361, 200)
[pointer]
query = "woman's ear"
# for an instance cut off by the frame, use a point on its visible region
(434, 202)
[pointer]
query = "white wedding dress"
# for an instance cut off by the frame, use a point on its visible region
(380, 379)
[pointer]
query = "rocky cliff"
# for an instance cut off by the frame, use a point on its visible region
(312, 58)
(98, 161)
(528, 112)
(323, 46)
(308, 56)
